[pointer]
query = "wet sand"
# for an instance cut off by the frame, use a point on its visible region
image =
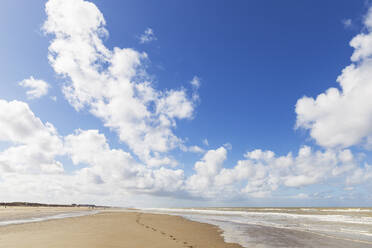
(16, 213)
(263, 236)
(111, 229)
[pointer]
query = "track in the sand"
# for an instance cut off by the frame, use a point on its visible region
(166, 235)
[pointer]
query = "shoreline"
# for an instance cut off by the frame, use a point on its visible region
(259, 235)
(133, 228)
(57, 216)
(22, 214)
(110, 228)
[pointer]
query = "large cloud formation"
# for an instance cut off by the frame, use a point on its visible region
(342, 117)
(113, 86)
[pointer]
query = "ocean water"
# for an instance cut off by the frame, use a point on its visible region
(286, 227)
(30, 219)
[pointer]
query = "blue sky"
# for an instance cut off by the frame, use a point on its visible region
(254, 60)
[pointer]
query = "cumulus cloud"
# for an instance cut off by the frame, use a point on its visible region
(360, 175)
(34, 147)
(202, 182)
(119, 95)
(147, 36)
(33, 143)
(263, 172)
(101, 170)
(113, 84)
(342, 117)
(37, 88)
(116, 167)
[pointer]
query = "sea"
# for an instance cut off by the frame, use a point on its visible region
(285, 227)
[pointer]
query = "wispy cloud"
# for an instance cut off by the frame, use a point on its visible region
(347, 23)
(147, 36)
(195, 82)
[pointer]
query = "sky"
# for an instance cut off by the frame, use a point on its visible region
(186, 103)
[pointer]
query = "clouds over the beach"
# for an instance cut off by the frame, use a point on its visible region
(261, 173)
(113, 85)
(36, 147)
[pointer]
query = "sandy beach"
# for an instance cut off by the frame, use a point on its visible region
(113, 229)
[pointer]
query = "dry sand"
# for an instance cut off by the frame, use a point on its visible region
(111, 229)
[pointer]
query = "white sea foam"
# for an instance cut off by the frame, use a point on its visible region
(318, 217)
(236, 223)
(49, 217)
(348, 210)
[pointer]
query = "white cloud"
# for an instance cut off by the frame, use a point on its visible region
(32, 153)
(262, 172)
(20, 126)
(228, 146)
(112, 84)
(34, 144)
(119, 95)
(201, 183)
(368, 19)
(147, 36)
(113, 173)
(37, 88)
(194, 149)
(360, 175)
(206, 142)
(195, 82)
(342, 118)
(116, 167)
